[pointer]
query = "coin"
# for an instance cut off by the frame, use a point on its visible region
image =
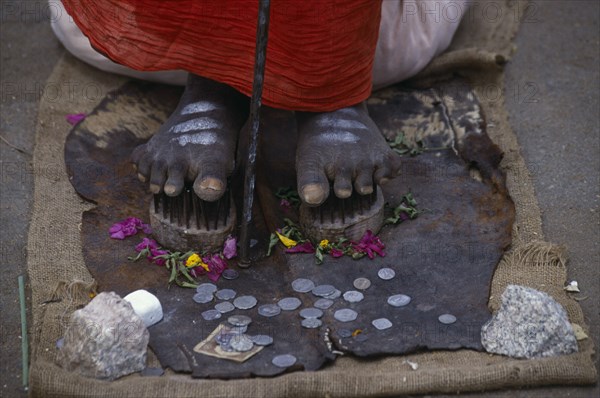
(311, 323)
(345, 315)
(302, 285)
(262, 339)
(361, 337)
(284, 361)
(344, 333)
(238, 329)
(244, 302)
(230, 274)
(447, 319)
(211, 315)
(202, 297)
(206, 288)
(382, 323)
(241, 343)
(269, 310)
(224, 307)
(386, 274)
(399, 300)
(323, 290)
(353, 296)
(337, 293)
(239, 320)
(311, 313)
(225, 294)
(362, 283)
(323, 303)
(224, 337)
(289, 303)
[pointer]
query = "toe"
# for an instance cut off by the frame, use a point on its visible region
(342, 184)
(143, 168)
(364, 181)
(313, 186)
(174, 184)
(158, 176)
(382, 174)
(211, 182)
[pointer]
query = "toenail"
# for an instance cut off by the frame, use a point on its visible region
(154, 188)
(313, 194)
(212, 184)
(170, 189)
(343, 193)
(141, 177)
(365, 190)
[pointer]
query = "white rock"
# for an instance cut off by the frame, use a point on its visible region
(529, 324)
(146, 305)
(106, 339)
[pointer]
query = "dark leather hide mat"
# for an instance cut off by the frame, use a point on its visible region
(444, 259)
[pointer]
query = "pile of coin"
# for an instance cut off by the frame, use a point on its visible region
(233, 337)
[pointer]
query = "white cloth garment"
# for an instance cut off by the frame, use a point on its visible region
(411, 34)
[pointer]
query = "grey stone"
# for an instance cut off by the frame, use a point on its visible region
(529, 324)
(106, 339)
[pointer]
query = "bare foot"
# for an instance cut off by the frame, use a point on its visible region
(344, 147)
(197, 143)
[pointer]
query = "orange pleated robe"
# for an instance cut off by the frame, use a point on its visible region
(319, 56)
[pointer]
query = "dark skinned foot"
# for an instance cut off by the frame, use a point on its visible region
(197, 143)
(345, 148)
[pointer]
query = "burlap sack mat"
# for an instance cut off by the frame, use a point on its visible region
(55, 258)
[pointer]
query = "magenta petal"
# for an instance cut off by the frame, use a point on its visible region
(147, 229)
(230, 248)
(118, 235)
(306, 247)
(74, 118)
(146, 243)
(115, 228)
(336, 253)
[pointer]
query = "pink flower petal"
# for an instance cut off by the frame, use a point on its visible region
(74, 118)
(117, 235)
(306, 247)
(230, 248)
(336, 253)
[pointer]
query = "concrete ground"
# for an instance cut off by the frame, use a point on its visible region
(553, 86)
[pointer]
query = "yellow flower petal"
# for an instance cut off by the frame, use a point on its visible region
(324, 243)
(286, 241)
(193, 260)
(204, 265)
